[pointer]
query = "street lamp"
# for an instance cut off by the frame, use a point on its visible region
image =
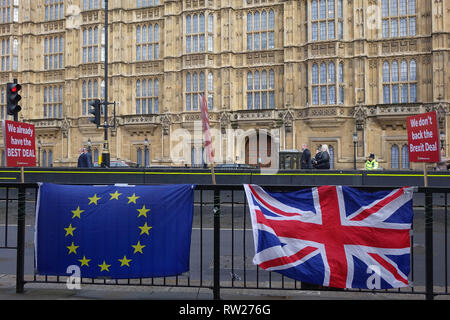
(39, 152)
(355, 143)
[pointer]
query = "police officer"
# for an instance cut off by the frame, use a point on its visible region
(371, 163)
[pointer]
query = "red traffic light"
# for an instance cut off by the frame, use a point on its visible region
(15, 88)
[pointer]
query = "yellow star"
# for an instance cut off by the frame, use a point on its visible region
(138, 247)
(125, 261)
(76, 213)
(72, 248)
(133, 198)
(115, 195)
(104, 266)
(84, 261)
(69, 230)
(93, 199)
(143, 211)
(144, 229)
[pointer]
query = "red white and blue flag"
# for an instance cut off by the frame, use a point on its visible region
(334, 236)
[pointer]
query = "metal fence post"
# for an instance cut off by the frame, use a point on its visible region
(216, 210)
(429, 295)
(20, 264)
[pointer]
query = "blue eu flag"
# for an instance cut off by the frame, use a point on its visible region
(114, 231)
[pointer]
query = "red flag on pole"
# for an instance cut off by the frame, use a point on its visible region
(206, 132)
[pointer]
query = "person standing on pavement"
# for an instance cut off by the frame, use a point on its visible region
(371, 163)
(322, 158)
(84, 160)
(305, 160)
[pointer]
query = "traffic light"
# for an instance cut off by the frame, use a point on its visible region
(94, 109)
(12, 98)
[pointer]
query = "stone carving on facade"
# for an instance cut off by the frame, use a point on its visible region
(360, 116)
(225, 121)
(65, 127)
(165, 124)
(288, 119)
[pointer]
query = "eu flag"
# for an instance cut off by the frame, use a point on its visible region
(114, 231)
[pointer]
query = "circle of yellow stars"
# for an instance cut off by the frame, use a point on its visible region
(138, 247)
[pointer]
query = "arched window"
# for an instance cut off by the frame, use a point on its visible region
(404, 71)
(394, 71)
(138, 94)
(315, 74)
(331, 153)
(386, 73)
(405, 157)
(341, 83)
(386, 87)
(50, 158)
(412, 70)
(96, 156)
(139, 157)
(395, 160)
(44, 158)
(210, 91)
(146, 157)
(323, 73)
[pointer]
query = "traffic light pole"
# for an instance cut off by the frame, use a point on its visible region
(105, 153)
(16, 114)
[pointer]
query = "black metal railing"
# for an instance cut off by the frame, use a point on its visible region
(222, 243)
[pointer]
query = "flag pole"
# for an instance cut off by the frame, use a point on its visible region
(425, 176)
(213, 174)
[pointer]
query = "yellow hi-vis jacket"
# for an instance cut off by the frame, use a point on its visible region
(371, 165)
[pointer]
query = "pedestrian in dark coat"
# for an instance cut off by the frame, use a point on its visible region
(84, 161)
(305, 160)
(322, 158)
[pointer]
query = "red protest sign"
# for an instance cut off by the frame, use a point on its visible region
(19, 141)
(423, 137)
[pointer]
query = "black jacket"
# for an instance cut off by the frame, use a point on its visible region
(323, 160)
(84, 161)
(305, 160)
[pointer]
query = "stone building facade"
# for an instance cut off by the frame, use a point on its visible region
(342, 72)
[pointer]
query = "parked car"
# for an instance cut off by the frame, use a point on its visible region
(235, 166)
(115, 164)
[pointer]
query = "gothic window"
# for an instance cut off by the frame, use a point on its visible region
(260, 30)
(9, 11)
(54, 10)
(92, 4)
(146, 3)
(53, 53)
(89, 93)
(399, 18)
(91, 45)
(399, 81)
(197, 32)
(53, 98)
(324, 83)
(261, 89)
(405, 157)
(395, 160)
(9, 54)
(147, 96)
(326, 20)
(195, 82)
(147, 42)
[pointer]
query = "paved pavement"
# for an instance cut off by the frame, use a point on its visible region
(53, 291)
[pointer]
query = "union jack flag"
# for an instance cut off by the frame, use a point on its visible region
(335, 236)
